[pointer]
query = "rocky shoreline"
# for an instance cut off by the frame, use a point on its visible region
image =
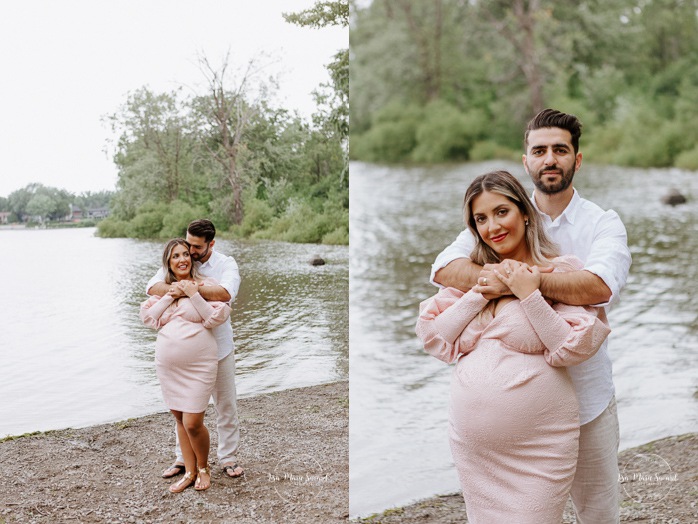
(294, 449)
(659, 485)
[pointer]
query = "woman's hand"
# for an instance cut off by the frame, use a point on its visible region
(188, 287)
(489, 285)
(521, 278)
(175, 291)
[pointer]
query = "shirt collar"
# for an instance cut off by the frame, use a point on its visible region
(211, 262)
(570, 211)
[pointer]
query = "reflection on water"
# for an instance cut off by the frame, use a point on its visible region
(401, 218)
(75, 352)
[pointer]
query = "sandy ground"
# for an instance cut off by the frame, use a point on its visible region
(659, 484)
(294, 450)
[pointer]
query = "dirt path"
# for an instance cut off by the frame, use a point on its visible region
(294, 449)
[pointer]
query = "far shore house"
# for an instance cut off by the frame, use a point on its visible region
(4, 217)
(97, 212)
(77, 214)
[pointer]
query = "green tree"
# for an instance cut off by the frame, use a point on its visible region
(154, 151)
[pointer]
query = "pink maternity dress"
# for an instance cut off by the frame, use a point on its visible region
(186, 353)
(513, 415)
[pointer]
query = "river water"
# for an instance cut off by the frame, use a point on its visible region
(400, 218)
(74, 352)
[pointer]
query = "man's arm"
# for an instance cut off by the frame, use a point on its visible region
(605, 268)
(159, 288)
(217, 293)
(576, 288)
(209, 292)
(461, 273)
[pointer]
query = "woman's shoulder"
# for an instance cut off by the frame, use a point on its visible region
(567, 263)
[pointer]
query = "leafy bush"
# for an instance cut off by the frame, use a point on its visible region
(112, 228)
(385, 142)
(178, 217)
(489, 150)
(258, 216)
(302, 223)
(688, 159)
(447, 134)
(148, 222)
(392, 136)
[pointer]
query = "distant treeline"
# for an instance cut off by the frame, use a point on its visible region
(39, 203)
(448, 80)
(228, 154)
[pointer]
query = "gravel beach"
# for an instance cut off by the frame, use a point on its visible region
(294, 449)
(659, 485)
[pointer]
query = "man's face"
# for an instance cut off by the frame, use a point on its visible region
(199, 248)
(550, 160)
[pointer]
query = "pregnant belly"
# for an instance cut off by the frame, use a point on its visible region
(506, 394)
(181, 343)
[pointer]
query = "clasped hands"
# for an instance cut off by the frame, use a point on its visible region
(182, 288)
(507, 278)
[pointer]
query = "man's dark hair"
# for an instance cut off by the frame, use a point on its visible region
(202, 228)
(554, 118)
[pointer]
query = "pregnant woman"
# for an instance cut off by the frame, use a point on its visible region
(513, 415)
(186, 357)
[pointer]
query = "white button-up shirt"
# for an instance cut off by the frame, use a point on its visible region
(598, 238)
(225, 271)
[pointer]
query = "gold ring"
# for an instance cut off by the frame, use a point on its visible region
(508, 271)
(484, 281)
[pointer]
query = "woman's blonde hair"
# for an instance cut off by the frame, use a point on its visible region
(542, 249)
(169, 247)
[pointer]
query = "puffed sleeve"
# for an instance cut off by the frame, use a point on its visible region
(152, 310)
(570, 334)
(443, 320)
(213, 313)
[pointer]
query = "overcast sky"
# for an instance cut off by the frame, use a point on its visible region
(66, 64)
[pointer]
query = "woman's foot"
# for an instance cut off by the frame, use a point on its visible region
(187, 480)
(203, 479)
(174, 470)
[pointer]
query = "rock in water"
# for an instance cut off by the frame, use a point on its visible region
(673, 198)
(316, 260)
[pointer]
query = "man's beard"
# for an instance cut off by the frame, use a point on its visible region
(197, 257)
(563, 183)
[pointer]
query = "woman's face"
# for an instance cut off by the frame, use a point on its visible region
(180, 262)
(500, 224)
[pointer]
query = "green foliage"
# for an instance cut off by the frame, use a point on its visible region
(258, 216)
(322, 14)
(147, 223)
(178, 217)
(688, 159)
(447, 134)
(228, 157)
(301, 222)
(628, 70)
(112, 227)
(43, 202)
(392, 137)
(489, 150)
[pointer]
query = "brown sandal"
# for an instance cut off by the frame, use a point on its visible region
(173, 470)
(198, 484)
(187, 480)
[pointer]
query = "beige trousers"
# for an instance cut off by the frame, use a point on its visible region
(595, 489)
